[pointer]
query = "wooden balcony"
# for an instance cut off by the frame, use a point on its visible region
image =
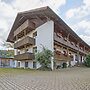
(60, 39)
(69, 44)
(62, 57)
(64, 42)
(84, 52)
(72, 45)
(24, 56)
(26, 41)
(25, 25)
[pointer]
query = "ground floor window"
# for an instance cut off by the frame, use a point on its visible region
(34, 64)
(18, 64)
(26, 64)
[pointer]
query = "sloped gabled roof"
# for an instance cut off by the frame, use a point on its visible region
(40, 12)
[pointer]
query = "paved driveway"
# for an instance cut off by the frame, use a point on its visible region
(64, 79)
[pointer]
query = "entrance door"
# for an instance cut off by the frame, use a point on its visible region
(26, 64)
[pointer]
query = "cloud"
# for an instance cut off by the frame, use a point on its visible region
(79, 12)
(70, 13)
(79, 18)
(7, 10)
(7, 13)
(85, 26)
(87, 3)
(82, 28)
(31, 4)
(85, 38)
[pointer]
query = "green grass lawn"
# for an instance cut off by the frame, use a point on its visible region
(15, 70)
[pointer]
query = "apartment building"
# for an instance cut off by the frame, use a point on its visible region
(42, 26)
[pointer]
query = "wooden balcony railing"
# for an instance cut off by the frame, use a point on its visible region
(72, 45)
(59, 39)
(61, 56)
(26, 24)
(66, 42)
(24, 56)
(26, 41)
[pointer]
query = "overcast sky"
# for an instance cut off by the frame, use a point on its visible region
(76, 13)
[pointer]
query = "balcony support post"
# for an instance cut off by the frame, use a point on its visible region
(52, 63)
(24, 32)
(16, 37)
(67, 53)
(68, 36)
(84, 48)
(25, 47)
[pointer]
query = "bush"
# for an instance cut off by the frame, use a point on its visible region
(87, 61)
(44, 58)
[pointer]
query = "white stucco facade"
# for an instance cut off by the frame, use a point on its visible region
(44, 38)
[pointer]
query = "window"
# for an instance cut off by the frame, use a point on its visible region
(34, 49)
(18, 52)
(18, 64)
(34, 34)
(34, 64)
(65, 53)
(26, 64)
(26, 50)
(54, 49)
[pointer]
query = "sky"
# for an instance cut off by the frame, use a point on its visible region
(76, 14)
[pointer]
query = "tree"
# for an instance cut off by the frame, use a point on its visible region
(44, 57)
(7, 53)
(87, 61)
(7, 44)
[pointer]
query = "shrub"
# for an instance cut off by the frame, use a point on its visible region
(87, 61)
(44, 58)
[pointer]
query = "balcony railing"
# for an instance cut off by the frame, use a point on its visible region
(26, 24)
(72, 45)
(24, 56)
(85, 52)
(64, 41)
(61, 56)
(68, 43)
(60, 39)
(26, 41)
